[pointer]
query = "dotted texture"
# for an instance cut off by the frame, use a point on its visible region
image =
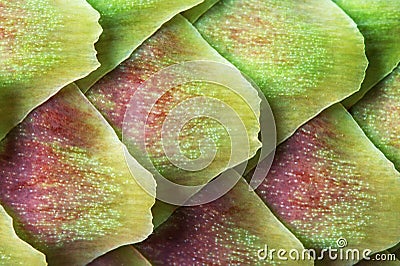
(64, 181)
(328, 181)
(126, 25)
(296, 52)
(44, 45)
(379, 22)
(176, 42)
(378, 114)
(228, 231)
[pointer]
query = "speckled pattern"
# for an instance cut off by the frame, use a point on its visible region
(24, 23)
(378, 114)
(64, 181)
(228, 231)
(379, 22)
(44, 45)
(323, 185)
(127, 24)
(112, 93)
(29, 43)
(176, 42)
(296, 52)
